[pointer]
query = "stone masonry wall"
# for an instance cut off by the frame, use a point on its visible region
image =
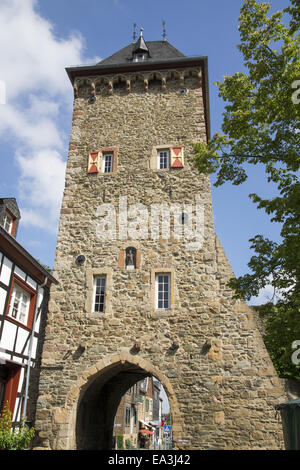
(223, 381)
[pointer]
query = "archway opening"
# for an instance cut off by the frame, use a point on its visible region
(143, 418)
(118, 409)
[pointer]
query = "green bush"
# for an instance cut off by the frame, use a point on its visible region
(120, 441)
(128, 444)
(13, 439)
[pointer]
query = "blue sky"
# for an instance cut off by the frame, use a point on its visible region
(39, 38)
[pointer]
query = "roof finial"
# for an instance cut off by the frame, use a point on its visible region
(164, 35)
(141, 32)
(134, 32)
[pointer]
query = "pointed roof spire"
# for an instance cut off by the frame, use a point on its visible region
(141, 45)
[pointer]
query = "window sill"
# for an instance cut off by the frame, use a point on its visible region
(163, 312)
(101, 315)
(111, 173)
(18, 323)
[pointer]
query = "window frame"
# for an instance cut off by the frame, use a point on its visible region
(99, 161)
(167, 158)
(12, 223)
(105, 155)
(32, 302)
(91, 273)
(127, 416)
(154, 297)
(106, 151)
(154, 162)
(139, 56)
(167, 276)
(101, 277)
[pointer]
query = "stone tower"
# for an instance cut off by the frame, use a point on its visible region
(136, 298)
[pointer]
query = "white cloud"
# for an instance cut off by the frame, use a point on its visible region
(31, 56)
(40, 131)
(43, 172)
(265, 295)
(38, 100)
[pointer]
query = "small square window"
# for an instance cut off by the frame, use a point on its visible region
(99, 293)
(107, 163)
(163, 159)
(167, 157)
(103, 161)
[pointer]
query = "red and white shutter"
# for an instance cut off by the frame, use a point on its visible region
(177, 157)
(94, 162)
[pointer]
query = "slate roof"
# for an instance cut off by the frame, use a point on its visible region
(161, 53)
(158, 50)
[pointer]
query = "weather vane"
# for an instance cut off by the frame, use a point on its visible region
(134, 32)
(164, 35)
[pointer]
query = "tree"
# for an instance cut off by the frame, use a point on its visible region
(45, 266)
(261, 125)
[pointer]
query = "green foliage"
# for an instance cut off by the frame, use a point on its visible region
(261, 125)
(13, 439)
(45, 266)
(168, 419)
(282, 326)
(128, 444)
(120, 441)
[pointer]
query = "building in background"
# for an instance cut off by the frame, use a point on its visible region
(138, 419)
(24, 289)
(126, 422)
(157, 414)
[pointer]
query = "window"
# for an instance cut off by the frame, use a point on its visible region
(127, 417)
(139, 56)
(99, 293)
(167, 157)
(19, 304)
(144, 384)
(107, 163)
(9, 222)
(163, 291)
(163, 157)
(103, 161)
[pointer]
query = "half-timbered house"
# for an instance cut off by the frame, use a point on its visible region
(24, 287)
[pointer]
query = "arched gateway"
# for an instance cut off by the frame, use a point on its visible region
(142, 276)
(86, 421)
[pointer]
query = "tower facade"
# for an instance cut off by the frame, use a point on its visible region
(142, 276)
